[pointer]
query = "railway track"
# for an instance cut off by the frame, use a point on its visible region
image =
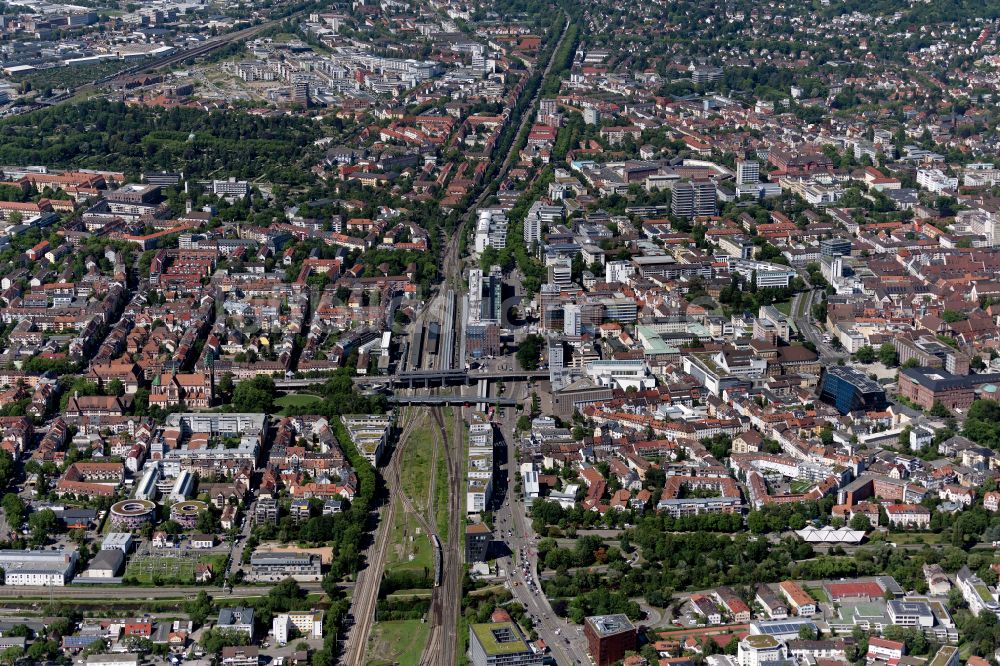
(441, 647)
(369, 580)
(446, 601)
(204, 48)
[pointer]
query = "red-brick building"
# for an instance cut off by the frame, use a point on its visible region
(608, 638)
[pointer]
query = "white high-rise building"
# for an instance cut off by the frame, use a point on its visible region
(572, 319)
(538, 216)
(532, 229)
(747, 172)
(618, 271)
(491, 230)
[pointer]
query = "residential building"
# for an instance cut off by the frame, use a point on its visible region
(237, 618)
(909, 515)
(801, 602)
(771, 603)
(976, 593)
(293, 624)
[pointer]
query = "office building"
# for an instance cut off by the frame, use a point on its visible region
(231, 188)
(849, 390)
(747, 172)
(934, 180)
(609, 637)
(500, 644)
(477, 542)
(694, 198)
(763, 273)
(538, 217)
(705, 74)
(926, 386)
(560, 271)
(485, 296)
(760, 650)
(117, 541)
(300, 92)
(274, 567)
(572, 320)
(835, 247)
(51, 568)
(929, 352)
(911, 613)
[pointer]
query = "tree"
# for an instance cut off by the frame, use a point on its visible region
(757, 522)
(524, 423)
(938, 410)
(860, 522)
(226, 384)
(42, 523)
(255, 395)
(12, 654)
(887, 355)
(215, 639)
(865, 355)
(200, 608)
(807, 632)
(116, 387)
(14, 508)
(20, 631)
(530, 351)
(6, 467)
(207, 522)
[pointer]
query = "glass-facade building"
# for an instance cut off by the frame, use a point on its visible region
(850, 391)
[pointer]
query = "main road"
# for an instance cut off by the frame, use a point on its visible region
(565, 639)
(133, 593)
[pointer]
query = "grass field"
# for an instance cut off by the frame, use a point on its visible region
(797, 487)
(819, 594)
(914, 537)
(399, 642)
(415, 471)
(441, 498)
(297, 400)
(784, 308)
(410, 548)
(409, 594)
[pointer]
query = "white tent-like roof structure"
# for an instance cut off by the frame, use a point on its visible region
(831, 535)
